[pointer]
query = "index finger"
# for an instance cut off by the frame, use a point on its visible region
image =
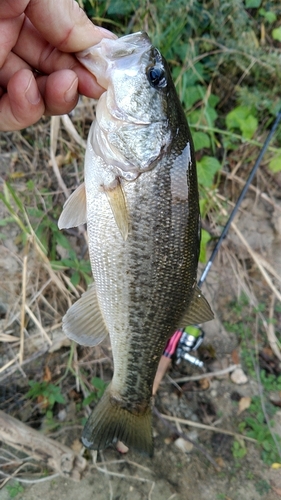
(64, 24)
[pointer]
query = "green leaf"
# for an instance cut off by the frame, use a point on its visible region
(267, 445)
(5, 222)
(252, 4)
(192, 95)
(35, 212)
(207, 167)
(75, 278)
(205, 238)
(276, 34)
(121, 7)
(89, 399)
(98, 383)
(268, 15)
(51, 399)
(60, 398)
(249, 126)
(242, 117)
(14, 489)
(201, 140)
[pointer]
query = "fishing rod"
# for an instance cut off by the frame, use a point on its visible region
(240, 199)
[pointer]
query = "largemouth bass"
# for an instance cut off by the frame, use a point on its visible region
(140, 202)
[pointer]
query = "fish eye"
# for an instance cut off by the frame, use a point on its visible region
(156, 77)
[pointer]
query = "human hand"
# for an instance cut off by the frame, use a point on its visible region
(38, 72)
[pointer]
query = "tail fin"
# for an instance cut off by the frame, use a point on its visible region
(110, 423)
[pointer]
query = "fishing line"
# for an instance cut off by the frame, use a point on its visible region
(241, 197)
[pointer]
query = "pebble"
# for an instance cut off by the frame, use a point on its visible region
(238, 377)
(62, 415)
(183, 445)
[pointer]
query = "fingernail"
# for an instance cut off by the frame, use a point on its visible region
(71, 93)
(106, 33)
(32, 93)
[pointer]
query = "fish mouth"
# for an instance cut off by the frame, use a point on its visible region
(123, 54)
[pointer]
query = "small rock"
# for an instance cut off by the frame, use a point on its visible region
(62, 415)
(183, 445)
(193, 435)
(238, 377)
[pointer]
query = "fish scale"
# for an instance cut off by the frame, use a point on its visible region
(143, 223)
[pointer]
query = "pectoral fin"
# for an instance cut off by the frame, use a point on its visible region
(83, 321)
(117, 201)
(198, 310)
(74, 210)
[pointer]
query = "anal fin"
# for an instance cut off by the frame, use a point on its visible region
(74, 210)
(83, 321)
(198, 310)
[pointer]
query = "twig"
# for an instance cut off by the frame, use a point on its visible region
(257, 261)
(109, 482)
(38, 324)
(25, 362)
(23, 300)
(229, 369)
(206, 427)
(72, 131)
(4, 337)
(271, 337)
(264, 196)
(28, 481)
(10, 476)
(151, 490)
(52, 453)
(123, 476)
(55, 121)
(9, 363)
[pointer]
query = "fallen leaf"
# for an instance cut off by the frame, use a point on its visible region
(204, 384)
(220, 462)
(267, 351)
(276, 466)
(235, 357)
(244, 403)
(47, 374)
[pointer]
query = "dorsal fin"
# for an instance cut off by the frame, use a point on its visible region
(198, 310)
